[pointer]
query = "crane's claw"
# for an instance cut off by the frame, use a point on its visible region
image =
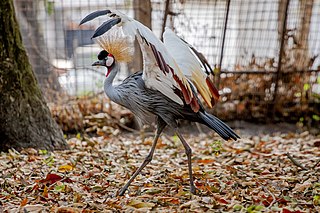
(94, 15)
(106, 26)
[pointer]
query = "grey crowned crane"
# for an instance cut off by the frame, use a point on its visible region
(169, 88)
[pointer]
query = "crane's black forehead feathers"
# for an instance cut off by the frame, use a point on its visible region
(102, 55)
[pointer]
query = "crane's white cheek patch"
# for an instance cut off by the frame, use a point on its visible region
(109, 61)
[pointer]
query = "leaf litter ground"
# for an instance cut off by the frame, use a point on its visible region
(274, 172)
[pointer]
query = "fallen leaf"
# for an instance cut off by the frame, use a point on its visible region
(68, 210)
(220, 199)
(65, 168)
(317, 143)
(96, 188)
(205, 161)
(24, 202)
(51, 179)
(153, 191)
(140, 204)
(285, 210)
(189, 205)
(33, 208)
(171, 200)
(45, 192)
(301, 187)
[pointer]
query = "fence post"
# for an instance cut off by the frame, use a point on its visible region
(223, 40)
(278, 72)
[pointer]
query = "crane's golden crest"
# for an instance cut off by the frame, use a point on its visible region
(118, 44)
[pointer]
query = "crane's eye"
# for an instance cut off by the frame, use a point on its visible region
(109, 61)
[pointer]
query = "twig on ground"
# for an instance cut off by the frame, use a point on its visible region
(199, 128)
(316, 164)
(274, 200)
(127, 128)
(169, 139)
(295, 162)
(146, 134)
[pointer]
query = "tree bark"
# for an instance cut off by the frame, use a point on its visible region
(25, 119)
(301, 54)
(296, 55)
(142, 13)
(33, 38)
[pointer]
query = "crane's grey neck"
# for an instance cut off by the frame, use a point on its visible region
(113, 72)
(109, 89)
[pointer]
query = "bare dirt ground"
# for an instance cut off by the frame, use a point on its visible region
(273, 168)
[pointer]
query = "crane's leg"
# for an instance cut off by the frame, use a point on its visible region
(188, 152)
(160, 126)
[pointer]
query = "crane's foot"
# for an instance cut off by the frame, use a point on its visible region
(193, 189)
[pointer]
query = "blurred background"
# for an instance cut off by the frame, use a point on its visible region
(265, 55)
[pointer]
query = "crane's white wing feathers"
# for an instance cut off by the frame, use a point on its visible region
(180, 51)
(160, 70)
(191, 66)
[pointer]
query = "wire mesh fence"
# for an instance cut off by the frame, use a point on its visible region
(265, 53)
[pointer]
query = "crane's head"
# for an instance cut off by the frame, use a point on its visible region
(105, 59)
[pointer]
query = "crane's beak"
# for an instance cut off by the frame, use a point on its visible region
(99, 63)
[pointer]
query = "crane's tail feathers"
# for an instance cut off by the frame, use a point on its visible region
(94, 15)
(218, 126)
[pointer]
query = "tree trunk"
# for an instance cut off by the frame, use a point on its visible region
(296, 55)
(25, 119)
(33, 38)
(142, 13)
(301, 54)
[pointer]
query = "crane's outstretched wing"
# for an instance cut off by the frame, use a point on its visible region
(160, 70)
(193, 65)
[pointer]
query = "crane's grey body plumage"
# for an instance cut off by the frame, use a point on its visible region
(146, 103)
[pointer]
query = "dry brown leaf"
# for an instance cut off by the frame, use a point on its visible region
(140, 204)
